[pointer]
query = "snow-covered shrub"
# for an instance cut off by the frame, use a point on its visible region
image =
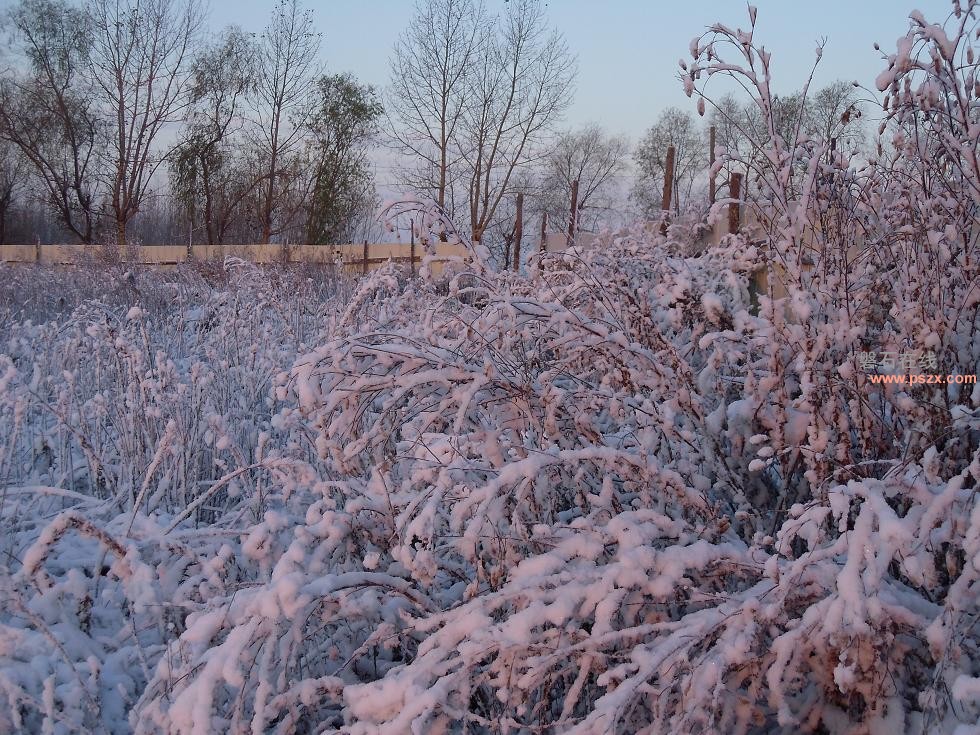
(555, 502)
(136, 440)
(610, 495)
(472, 442)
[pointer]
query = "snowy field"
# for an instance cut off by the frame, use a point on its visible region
(609, 494)
(624, 491)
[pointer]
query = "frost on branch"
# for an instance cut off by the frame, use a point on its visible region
(623, 493)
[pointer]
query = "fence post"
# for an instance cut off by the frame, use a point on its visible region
(734, 209)
(364, 260)
(543, 247)
(668, 187)
(711, 169)
(518, 231)
(571, 216)
(411, 257)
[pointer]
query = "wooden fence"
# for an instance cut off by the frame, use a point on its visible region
(355, 258)
(360, 258)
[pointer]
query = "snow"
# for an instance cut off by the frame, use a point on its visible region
(713, 307)
(609, 494)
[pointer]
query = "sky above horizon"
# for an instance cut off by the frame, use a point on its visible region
(628, 50)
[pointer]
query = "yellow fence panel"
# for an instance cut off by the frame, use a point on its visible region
(354, 257)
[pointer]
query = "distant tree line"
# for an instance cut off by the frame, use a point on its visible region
(125, 122)
(832, 113)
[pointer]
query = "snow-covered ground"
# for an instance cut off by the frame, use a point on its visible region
(605, 496)
(623, 491)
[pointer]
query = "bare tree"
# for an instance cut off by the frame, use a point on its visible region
(48, 112)
(430, 69)
(679, 129)
(523, 85)
(286, 70)
(593, 158)
(12, 170)
(834, 113)
(139, 59)
(740, 136)
(502, 232)
(208, 175)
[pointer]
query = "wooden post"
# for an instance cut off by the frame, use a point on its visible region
(543, 247)
(668, 187)
(364, 260)
(411, 258)
(711, 170)
(734, 209)
(518, 231)
(572, 212)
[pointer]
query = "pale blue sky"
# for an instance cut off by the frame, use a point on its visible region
(628, 49)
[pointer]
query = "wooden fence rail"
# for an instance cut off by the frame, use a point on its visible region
(359, 258)
(355, 257)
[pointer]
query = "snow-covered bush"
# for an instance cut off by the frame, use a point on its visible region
(619, 493)
(146, 416)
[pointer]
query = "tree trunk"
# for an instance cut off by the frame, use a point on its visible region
(711, 166)
(208, 204)
(121, 238)
(734, 213)
(443, 163)
(573, 211)
(270, 193)
(4, 208)
(518, 231)
(267, 207)
(665, 200)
